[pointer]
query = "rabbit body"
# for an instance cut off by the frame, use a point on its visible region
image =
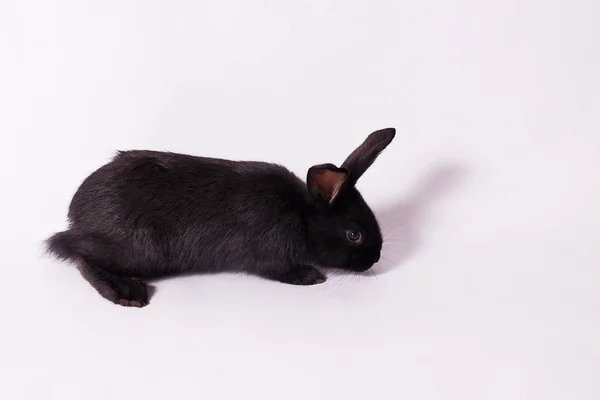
(148, 214)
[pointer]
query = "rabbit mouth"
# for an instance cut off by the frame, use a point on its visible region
(363, 263)
(362, 266)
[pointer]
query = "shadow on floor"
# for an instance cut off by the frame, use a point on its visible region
(402, 221)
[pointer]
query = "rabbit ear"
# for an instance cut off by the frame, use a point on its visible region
(364, 156)
(326, 181)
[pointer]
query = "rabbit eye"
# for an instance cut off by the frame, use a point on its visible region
(353, 236)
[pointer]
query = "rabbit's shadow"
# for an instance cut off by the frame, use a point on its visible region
(402, 221)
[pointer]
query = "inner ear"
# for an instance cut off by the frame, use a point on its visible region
(326, 181)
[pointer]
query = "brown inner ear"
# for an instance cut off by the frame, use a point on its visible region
(329, 183)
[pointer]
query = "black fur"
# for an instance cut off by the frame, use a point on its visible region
(148, 214)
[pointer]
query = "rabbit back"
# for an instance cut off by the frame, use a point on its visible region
(159, 213)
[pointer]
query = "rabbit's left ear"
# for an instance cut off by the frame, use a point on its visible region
(363, 157)
(326, 181)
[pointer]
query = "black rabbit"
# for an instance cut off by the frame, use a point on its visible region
(148, 214)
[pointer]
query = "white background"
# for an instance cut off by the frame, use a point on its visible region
(489, 196)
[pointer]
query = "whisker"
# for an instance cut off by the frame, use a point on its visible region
(392, 249)
(343, 280)
(387, 231)
(394, 241)
(373, 272)
(392, 237)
